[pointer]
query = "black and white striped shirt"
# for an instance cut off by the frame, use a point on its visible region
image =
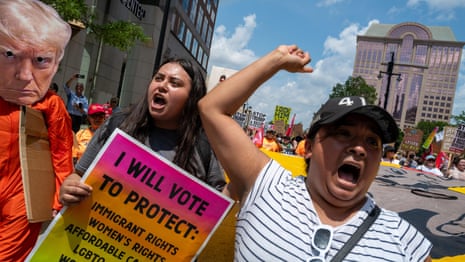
(277, 220)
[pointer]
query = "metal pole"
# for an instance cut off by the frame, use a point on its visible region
(389, 74)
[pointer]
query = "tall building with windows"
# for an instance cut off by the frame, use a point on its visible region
(179, 28)
(413, 67)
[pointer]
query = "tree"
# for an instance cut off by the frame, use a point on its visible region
(355, 86)
(428, 127)
(459, 119)
(119, 34)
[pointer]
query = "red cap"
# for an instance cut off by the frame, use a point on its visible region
(95, 109)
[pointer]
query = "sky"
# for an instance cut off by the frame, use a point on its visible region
(246, 30)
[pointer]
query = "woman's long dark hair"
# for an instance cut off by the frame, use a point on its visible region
(138, 121)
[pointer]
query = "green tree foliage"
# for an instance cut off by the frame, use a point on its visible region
(119, 34)
(355, 86)
(459, 119)
(70, 10)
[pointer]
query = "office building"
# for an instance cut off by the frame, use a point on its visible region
(414, 69)
(181, 28)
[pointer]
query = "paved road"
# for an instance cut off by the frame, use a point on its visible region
(440, 219)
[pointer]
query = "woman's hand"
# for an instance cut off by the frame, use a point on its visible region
(73, 191)
(295, 59)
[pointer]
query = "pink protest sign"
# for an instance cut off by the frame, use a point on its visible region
(142, 208)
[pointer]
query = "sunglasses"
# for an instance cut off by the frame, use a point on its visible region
(321, 242)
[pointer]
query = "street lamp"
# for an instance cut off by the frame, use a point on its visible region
(389, 73)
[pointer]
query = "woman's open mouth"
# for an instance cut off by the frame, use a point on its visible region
(158, 102)
(349, 173)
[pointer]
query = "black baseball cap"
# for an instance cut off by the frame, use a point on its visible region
(337, 108)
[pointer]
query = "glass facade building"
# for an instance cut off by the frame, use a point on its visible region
(177, 28)
(422, 78)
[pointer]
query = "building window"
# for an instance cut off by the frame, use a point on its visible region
(185, 6)
(406, 49)
(193, 11)
(188, 40)
(195, 46)
(420, 55)
(200, 17)
(181, 32)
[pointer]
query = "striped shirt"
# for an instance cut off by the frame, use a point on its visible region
(277, 221)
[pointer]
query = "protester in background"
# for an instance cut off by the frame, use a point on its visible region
(96, 117)
(32, 41)
(77, 103)
(389, 155)
(222, 78)
(430, 166)
(281, 215)
(108, 110)
(270, 142)
(114, 105)
(295, 141)
(409, 161)
(457, 171)
(286, 146)
(166, 120)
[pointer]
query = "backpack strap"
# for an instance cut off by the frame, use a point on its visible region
(342, 253)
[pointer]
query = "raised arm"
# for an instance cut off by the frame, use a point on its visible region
(240, 158)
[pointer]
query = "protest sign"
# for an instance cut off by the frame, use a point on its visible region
(240, 118)
(282, 113)
(142, 208)
(279, 126)
(257, 119)
(458, 144)
(449, 135)
(412, 140)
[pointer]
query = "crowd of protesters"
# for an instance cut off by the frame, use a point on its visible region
(167, 120)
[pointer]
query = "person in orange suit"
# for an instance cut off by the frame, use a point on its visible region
(33, 38)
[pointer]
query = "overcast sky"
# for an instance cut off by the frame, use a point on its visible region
(248, 29)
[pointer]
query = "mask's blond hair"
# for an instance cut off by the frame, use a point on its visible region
(33, 23)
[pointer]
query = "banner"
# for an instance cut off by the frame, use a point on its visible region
(142, 208)
(258, 137)
(430, 138)
(282, 113)
(291, 126)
